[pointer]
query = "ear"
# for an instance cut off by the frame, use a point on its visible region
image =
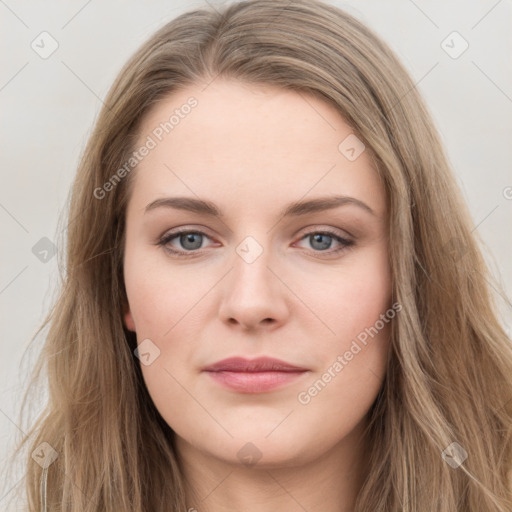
(128, 319)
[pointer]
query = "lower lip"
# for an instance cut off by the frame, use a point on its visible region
(255, 382)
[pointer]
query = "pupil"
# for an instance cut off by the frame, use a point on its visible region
(190, 238)
(319, 238)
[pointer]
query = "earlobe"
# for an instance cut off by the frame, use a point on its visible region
(128, 321)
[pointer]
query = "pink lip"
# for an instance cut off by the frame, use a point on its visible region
(253, 376)
(260, 364)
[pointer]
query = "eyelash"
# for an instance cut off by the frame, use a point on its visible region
(165, 239)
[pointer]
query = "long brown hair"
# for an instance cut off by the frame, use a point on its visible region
(449, 376)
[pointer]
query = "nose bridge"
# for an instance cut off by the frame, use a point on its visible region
(252, 259)
(253, 293)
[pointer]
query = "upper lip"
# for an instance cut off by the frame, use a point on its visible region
(260, 364)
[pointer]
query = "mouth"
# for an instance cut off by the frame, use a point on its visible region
(254, 376)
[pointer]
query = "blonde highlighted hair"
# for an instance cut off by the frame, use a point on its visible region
(449, 375)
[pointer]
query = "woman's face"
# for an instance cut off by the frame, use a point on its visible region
(309, 285)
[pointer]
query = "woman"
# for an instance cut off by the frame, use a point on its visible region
(330, 343)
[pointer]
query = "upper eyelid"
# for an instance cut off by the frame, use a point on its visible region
(204, 231)
(181, 231)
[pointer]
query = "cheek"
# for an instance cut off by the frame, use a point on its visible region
(346, 384)
(360, 306)
(352, 299)
(360, 313)
(160, 294)
(166, 306)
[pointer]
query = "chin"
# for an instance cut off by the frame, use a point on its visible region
(252, 449)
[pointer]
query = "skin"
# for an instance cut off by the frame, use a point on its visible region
(252, 150)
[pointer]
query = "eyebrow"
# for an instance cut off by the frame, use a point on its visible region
(294, 209)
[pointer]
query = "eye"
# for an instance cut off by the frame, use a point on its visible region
(321, 241)
(189, 240)
(192, 241)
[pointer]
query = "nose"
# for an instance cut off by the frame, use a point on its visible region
(253, 295)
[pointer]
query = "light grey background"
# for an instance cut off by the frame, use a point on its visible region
(49, 105)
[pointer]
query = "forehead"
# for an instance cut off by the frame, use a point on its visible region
(255, 144)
